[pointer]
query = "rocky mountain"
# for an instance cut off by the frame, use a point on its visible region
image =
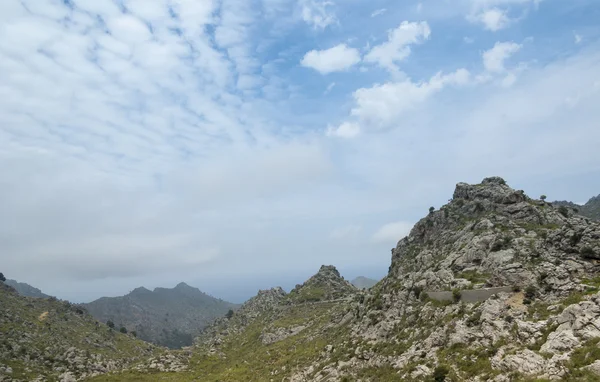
(494, 286)
(168, 317)
(362, 282)
(52, 340)
(25, 289)
(591, 209)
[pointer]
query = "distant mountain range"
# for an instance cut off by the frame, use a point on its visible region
(25, 289)
(363, 282)
(591, 209)
(168, 317)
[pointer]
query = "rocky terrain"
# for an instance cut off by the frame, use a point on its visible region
(25, 289)
(591, 209)
(362, 282)
(494, 286)
(51, 340)
(168, 317)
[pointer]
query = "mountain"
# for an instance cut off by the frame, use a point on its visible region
(51, 340)
(363, 282)
(168, 317)
(25, 289)
(591, 209)
(494, 286)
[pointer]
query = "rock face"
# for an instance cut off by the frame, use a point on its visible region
(168, 317)
(51, 340)
(25, 289)
(493, 235)
(363, 282)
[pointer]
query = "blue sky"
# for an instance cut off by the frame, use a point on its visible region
(238, 145)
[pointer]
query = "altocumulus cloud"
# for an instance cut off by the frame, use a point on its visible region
(154, 142)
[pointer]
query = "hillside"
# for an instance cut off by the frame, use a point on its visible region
(494, 286)
(25, 289)
(591, 209)
(168, 317)
(51, 340)
(362, 282)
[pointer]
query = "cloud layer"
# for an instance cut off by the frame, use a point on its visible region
(147, 143)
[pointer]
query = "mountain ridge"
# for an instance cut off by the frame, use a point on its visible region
(170, 317)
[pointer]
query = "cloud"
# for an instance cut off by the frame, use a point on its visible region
(392, 232)
(578, 38)
(381, 105)
(378, 12)
(329, 88)
(493, 59)
(318, 13)
(494, 15)
(345, 130)
(493, 19)
(338, 58)
(397, 48)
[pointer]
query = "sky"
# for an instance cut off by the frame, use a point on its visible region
(237, 145)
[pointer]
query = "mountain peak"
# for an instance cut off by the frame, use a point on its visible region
(491, 234)
(326, 284)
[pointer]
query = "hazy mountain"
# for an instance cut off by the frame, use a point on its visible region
(591, 209)
(25, 289)
(169, 317)
(363, 282)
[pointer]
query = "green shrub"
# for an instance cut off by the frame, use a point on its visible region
(229, 314)
(530, 292)
(564, 211)
(123, 330)
(110, 324)
(587, 252)
(456, 295)
(440, 373)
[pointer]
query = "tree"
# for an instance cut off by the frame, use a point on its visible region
(110, 324)
(123, 330)
(456, 295)
(543, 197)
(2, 278)
(431, 209)
(134, 333)
(229, 314)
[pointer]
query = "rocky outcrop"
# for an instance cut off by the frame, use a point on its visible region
(326, 285)
(493, 235)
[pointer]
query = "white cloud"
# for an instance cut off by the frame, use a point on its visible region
(378, 12)
(335, 59)
(578, 38)
(494, 15)
(329, 88)
(346, 232)
(318, 13)
(345, 130)
(397, 48)
(381, 105)
(494, 19)
(493, 59)
(392, 232)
